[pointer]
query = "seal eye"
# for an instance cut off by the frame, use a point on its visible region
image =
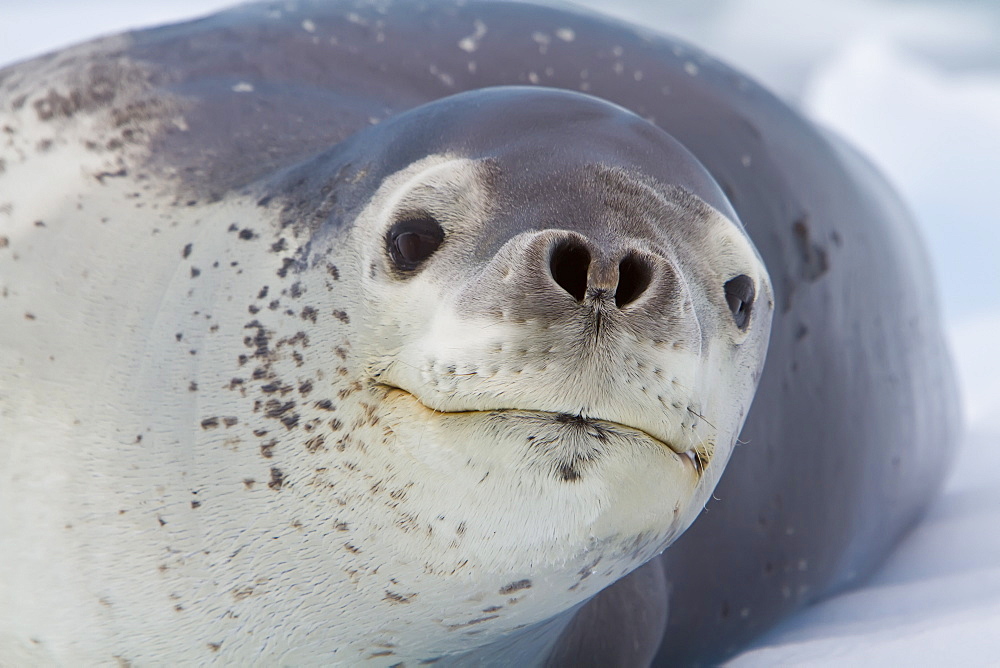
(739, 296)
(412, 240)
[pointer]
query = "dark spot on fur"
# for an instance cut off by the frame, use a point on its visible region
(210, 423)
(309, 313)
(567, 472)
(324, 404)
(162, 521)
(195, 504)
(471, 622)
(247, 234)
(342, 316)
(192, 386)
(111, 175)
(276, 409)
(279, 246)
(567, 418)
(300, 338)
(286, 263)
(263, 292)
(315, 443)
(214, 646)
(814, 258)
(249, 483)
(29, 316)
(393, 597)
(277, 478)
(259, 341)
(187, 251)
(195, 272)
(241, 593)
(333, 271)
(267, 449)
(515, 586)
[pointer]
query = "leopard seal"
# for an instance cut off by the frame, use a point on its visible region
(328, 342)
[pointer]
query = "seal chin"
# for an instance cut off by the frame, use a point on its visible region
(574, 427)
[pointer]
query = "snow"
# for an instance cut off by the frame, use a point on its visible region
(32, 28)
(935, 602)
(915, 85)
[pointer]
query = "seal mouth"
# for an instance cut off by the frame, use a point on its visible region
(697, 458)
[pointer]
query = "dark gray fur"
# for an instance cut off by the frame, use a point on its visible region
(855, 419)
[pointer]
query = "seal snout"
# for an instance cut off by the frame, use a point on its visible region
(585, 273)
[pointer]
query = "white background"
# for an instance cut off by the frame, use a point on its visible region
(916, 85)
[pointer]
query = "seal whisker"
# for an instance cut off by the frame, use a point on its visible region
(702, 417)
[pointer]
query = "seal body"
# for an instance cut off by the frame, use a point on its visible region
(247, 415)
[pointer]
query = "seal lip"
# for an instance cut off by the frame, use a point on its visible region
(696, 460)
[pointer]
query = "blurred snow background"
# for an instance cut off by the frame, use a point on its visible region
(916, 85)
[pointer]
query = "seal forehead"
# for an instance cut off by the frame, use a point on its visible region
(538, 135)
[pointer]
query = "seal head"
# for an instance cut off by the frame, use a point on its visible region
(562, 326)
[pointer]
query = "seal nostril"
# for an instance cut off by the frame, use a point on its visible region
(569, 264)
(634, 276)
